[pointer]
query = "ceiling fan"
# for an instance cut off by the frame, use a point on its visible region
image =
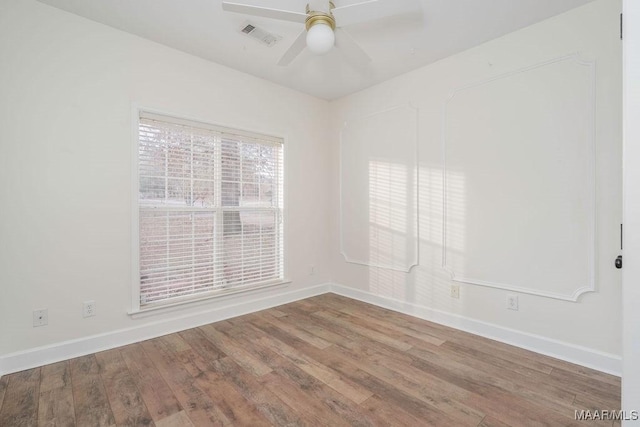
(324, 24)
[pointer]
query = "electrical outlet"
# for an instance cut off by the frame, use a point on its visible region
(512, 302)
(40, 317)
(312, 270)
(88, 308)
(455, 291)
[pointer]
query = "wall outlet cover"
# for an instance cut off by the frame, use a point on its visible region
(455, 291)
(88, 308)
(40, 317)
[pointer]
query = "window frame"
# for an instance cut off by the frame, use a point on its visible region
(137, 310)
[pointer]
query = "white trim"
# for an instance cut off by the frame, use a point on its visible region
(590, 286)
(40, 356)
(411, 263)
(605, 362)
(247, 127)
(190, 301)
(572, 298)
(135, 210)
(221, 131)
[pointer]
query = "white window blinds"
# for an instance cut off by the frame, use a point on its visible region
(210, 210)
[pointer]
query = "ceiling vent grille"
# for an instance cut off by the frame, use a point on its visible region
(259, 34)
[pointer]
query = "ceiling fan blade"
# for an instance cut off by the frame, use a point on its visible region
(372, 10)
(266, 12)
(352, 51)
(294, 50)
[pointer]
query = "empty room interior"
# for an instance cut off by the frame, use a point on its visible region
(354, 212)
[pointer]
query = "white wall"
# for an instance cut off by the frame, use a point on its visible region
(67, 89)
(593, 323)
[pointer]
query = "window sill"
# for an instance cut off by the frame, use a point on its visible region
(202, 300)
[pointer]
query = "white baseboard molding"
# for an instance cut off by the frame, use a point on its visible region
(587, 357)
(40, 356)
(45, 355)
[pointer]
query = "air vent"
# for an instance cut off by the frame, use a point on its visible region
(259, 34)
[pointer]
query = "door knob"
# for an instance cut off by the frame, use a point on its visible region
(619, 262)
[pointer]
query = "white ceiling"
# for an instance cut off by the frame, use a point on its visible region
(396, 45)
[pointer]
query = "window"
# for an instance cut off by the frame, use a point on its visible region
(209, 210)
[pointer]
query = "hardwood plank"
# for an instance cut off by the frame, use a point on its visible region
(580, 384)
(20, 404)
(396, 328)
(357, 313)
(388, 415)
(364, 331)
(497, 361)
(333, 332)
(89, 395)
(231, 402)
(276, 313)
(316, 369)
(199, 407)
(3, 388)
(225, 325)
(495, 401)
(56, 405)
(492, 422)
(312, 411)
(199, 342)
(518, 355)
(307, 323)
(316, 394)
(535, 387)
(515, 414)
(445, 398)
(588, 401)
(179, 419)
(228, 405)
(294, 330)
(594, 405)
(441, 395)
(268, 403)
(496, 349)
(405, 335)
(227, 399)
(355, 333)
(154, 390)
(127, 404)
(397, 399)
(174, 343)
(448, 398)
(239, 354)
(592, 374)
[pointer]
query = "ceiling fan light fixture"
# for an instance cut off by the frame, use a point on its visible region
(320, 35)
(320, 39)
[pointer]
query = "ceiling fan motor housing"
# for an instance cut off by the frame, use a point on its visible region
(320, 17)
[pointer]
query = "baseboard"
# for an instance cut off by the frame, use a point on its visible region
(40, 356)
(587, 357)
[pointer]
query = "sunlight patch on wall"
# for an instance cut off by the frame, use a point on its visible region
(379, 171)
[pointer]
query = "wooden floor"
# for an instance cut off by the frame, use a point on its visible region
(324, 361)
